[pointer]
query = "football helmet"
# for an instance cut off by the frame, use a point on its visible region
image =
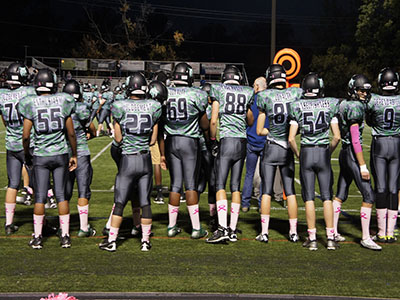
(45, 81)
(161, 76)
(157, 91)
(231, 75)
(183, 74)
(17, 73)
(206, 87)
(73, 88)
(359, 82)
(87, 87)
(117, 89)
(388, 80)
(136, 84)
(312, 85)
(275, 75)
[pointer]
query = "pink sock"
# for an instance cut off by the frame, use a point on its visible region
(194, 216)
(213, 209)
(112, 236)
(381, 220)
(365, 215)
(312, 234)
(38, 224)
(222, 210)
(10, 210)
(264, 224)
(235, 209)
(108, 225)
(337, 208)
(84, 217)
(293, 226)
(330, 233)
(146, 231)
(173, 215)
(64, 224)
(391, 222)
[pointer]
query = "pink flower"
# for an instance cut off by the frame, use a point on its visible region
(60, 296)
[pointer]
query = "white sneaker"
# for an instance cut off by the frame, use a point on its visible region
(370, 244)
(339, 238)
(262, 238)
(145, 246)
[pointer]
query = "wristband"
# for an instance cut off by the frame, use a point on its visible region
(212, 139)
(363, 168)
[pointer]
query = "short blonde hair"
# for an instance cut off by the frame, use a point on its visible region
(261, 82)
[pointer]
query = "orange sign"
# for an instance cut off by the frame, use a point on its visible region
(290, 56)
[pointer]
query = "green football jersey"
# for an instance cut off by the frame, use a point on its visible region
(313, 117)
(276, 105)
(80, 118)
(88, 97)
(137, 119)
(384, 113)
(95, 100)
(183, 109)
(234, 101)
(109, 97)
(350, 112)
(120, 96)
(9, 100)
(48, 114)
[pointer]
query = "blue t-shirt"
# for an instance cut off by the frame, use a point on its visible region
(252, 137)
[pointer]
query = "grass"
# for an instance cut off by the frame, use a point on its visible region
(184, 265)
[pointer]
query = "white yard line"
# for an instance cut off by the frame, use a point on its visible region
(101, 152)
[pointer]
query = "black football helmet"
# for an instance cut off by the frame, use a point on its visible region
(45, 81)
(231, 75)
(117, 89)
(87, 87)
(183, 74)
(136, 84)
(359, 82)
(388, 80)
(157, 91)
(275, 75)
(206, 87)
(161, 76)
(73, 88)
(17, 74)
(313, 86)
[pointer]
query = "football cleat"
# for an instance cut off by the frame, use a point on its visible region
(198, 233)
(379, 238)
(262, 238)
(390, 239)
(90, 232)
(136, 231)
(173, 231)
(232, 234)
(311, 244)
(218, 236)
(36, 242)
(182, 199)
(331, 244)
(339, 238)
(294, 237)
(65, 241)
(108, 246)
(145, 246)
(370, 244)
(106, 231)
(10, 229)
(28, 199)
(159, 199)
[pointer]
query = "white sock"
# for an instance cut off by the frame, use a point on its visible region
(235, 209)
(194, 216)
(64, 224)
(222, 211)
(172, 215)
(84, 217)
(10, 210)
(265, 224)
(146, 231)
(38, 224)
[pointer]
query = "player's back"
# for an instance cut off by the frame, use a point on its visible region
(384, 112)
(183, 108)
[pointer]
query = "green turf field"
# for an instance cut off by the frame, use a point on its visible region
(184, 265)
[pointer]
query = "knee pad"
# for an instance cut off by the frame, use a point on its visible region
(146, 212)
(381, 200)
(118, 209)
(393, 201)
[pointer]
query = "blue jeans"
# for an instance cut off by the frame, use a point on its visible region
(253, 154)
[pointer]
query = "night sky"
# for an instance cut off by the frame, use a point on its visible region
(215, 31)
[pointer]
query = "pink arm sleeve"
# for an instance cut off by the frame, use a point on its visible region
(355, 138)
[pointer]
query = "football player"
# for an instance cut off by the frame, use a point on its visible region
(136, 128)
(313, 115)
(274, 103)
(231, 105)
(351, 158)
(84, 171)
(49, 113)
(383, 115)
(104, 110)
(183, 112)
(17, 78)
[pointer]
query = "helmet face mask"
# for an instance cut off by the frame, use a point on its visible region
(183, 75)
(73, 88)
(313, 86)
(136, 84)
(17, 74)
(231, 75)
(359, 88)
(275, 75)
(45, 81)
(388, 80)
